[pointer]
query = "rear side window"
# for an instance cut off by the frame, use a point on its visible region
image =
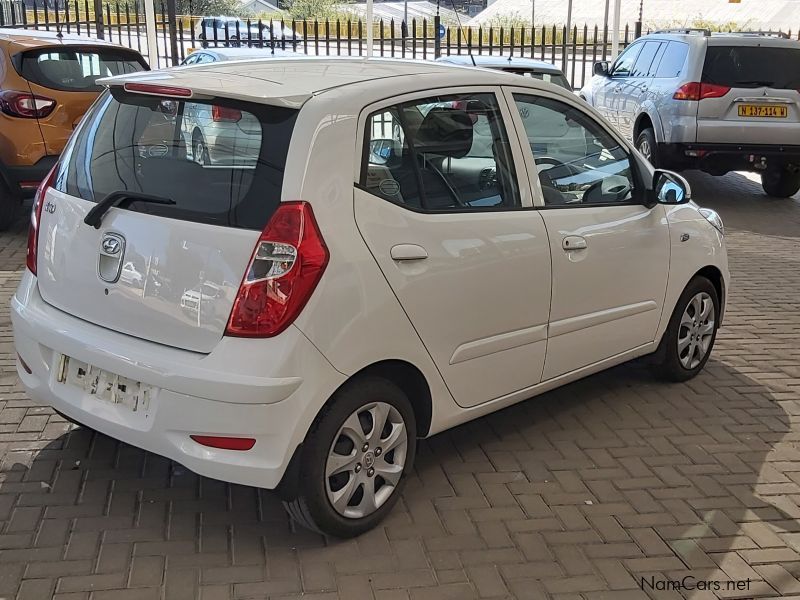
(646, 56)
(554, 78)
(76, 69)
(672, 60)
(219, 162)
(752, 66)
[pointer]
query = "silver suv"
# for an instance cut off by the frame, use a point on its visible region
(691, 99)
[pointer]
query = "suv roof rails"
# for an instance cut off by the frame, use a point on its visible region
(689, 30)
(779, 34)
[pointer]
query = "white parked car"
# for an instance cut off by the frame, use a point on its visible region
(233, 31)
(384, 270)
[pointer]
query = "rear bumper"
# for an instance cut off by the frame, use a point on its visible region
(728, 157)
(219, 394)
(23, 180)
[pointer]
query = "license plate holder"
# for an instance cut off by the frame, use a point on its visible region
(103, 385)
(763, 111)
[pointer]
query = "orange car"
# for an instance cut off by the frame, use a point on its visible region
(47, 83)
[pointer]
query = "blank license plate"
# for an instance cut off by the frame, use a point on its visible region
(103, 385)
(763, 111)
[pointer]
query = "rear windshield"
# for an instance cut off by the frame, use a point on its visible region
(76, 69)
(753, 66)
(219, 162)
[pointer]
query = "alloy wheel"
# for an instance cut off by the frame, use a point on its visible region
(366, 460)
(645, 149)
(696, 330)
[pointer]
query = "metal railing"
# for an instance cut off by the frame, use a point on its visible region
(574, 51)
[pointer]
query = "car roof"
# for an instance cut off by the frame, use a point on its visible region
(292, 81)
(722, 38)
(500, 62)
(31, 38)
(241, 53)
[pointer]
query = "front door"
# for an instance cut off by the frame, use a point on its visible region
(618, 83)
(635, 90)
(442, 210)
(610, 253)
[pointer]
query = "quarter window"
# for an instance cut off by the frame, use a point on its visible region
(673, 60)
(578, 162)
(442, 153)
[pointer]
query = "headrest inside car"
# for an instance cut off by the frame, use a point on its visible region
(446, 132)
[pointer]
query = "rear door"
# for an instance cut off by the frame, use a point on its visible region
(751, 92)
(441, 204)
(182, 262)
(69, 74)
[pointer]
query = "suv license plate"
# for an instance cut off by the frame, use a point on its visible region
(103, 385)
(763, 111)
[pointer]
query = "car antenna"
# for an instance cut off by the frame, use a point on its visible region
(460, 30)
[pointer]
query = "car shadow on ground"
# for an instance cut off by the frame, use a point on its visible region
(670, 479)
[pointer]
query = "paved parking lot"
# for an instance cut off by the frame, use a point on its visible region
(585, 492)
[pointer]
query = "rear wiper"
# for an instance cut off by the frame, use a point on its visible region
(120, 199)
(754, 82)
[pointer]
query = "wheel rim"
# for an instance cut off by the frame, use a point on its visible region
(366, 460)
(644, 148)
(696, 330)
(199, 153)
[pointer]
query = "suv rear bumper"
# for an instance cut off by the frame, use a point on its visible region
(217, 394)
(720, 158)
(23, 180)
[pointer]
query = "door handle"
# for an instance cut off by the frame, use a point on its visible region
(408, 252)
(573, 242)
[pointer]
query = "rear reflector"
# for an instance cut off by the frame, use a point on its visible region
(158, 90)
(224, 443)
(287, 263)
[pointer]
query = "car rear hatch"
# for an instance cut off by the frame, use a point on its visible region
(68, 74)
(166, 263)
(749, 93)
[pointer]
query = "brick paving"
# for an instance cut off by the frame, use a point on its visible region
(580, 493)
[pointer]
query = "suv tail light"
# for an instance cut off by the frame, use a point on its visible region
(287, 263)
(222, 114)
(700, 91)
(25, 105)
(36, 218)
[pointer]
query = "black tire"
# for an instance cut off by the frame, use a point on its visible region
(780, 182)
(9, 207)
(311, 507)
(647, 146)
(667, 359)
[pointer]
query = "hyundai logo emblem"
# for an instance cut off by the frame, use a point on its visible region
(111, 245)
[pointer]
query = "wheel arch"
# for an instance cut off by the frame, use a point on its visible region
(404, 375)
(714, 275)
(643, 121)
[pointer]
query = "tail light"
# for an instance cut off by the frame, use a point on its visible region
(700, 91)
(222, 114)
(287, 263)
(25, 104)
(36, 218)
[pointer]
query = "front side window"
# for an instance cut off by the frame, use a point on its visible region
(579, 163)
(441, 153)
(624, 64)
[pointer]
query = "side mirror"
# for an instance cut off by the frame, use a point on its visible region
(601, 68)
(671, 188)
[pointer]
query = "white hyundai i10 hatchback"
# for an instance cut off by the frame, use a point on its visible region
(411, 246)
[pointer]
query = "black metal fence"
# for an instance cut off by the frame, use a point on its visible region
(575, 51)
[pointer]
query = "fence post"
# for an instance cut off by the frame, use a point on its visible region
(637, 30)
(172, 17)
(98, 19)
(437, 42)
